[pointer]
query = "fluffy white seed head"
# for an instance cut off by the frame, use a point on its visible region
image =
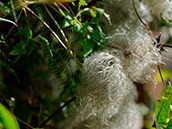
(107, 92)
(103, 89)
(104, 94)
(138, 53)
(107, 87)
(128, 118)
(160, 8)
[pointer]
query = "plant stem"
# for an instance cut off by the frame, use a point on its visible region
(58, 110)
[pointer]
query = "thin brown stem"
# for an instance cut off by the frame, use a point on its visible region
(57, 111)
(159, 69)
(24, 123)
(139, 16)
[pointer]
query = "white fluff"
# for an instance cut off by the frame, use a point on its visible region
(104, 91)
(107, 92)
(140, 55)
(160, 8)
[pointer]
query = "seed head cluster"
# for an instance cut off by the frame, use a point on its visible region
(138, 54)
(107, 93)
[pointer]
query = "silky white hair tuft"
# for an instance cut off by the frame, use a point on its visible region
(160, 8)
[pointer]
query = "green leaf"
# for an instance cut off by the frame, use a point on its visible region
(7, 120)
(46, 46)
(32, 47)
(166, 75)
(107, 16)
(66, 23)
(80, 30)
(7, 67)
(162, 110)
(3, 40)
(97, 18)
(77, 28)
(26, 32)
(102, 34)
(39, 11)
(81, 3)
(68, 16)
(87, 46)
(19, 49)
(6, 20)
(44, 39)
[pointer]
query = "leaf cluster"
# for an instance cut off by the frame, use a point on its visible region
(35, 69)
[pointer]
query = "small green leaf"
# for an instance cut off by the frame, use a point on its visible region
(66, 23)
(32, 47)
(77, 28)
(7, 120)
(46, 46)
(81, 3)
(26, 32)
(39, 11)
(68, 16)
(88, 45)
(107, 16)
(162, 110)
(166, 75)
(102, 34)
(44, 39)
(20, 48)
(167, 120)
(3, 40)
(7, 67)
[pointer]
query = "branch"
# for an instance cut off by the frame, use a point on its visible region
(57, 111)
(161, 75)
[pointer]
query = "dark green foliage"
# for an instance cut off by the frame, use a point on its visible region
(36, 70)
(90, 19)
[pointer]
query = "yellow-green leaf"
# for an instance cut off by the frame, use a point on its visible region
(81, 3)
(165, 73)
(7, 120)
